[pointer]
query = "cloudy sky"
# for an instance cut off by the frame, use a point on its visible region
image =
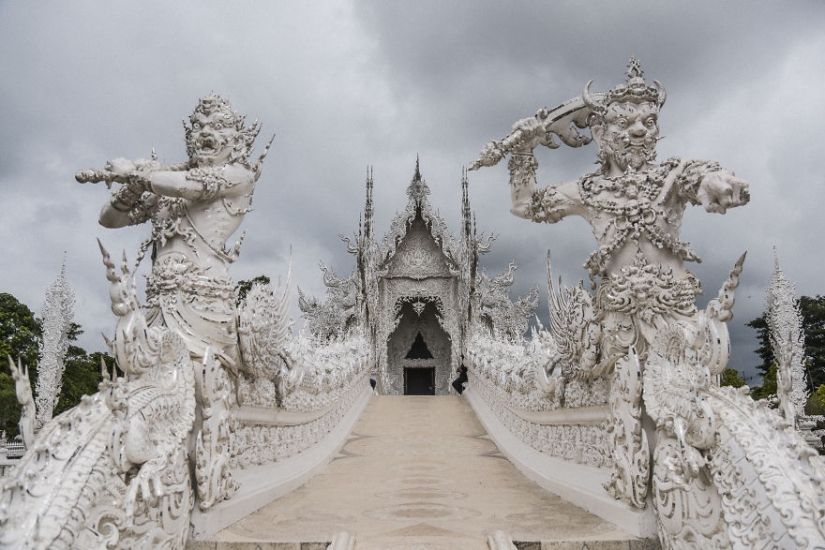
(347, 84)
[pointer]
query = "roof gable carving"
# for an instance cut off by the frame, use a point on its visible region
(418, 256)
(418, 207)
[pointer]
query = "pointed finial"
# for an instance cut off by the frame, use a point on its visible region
(634, 69)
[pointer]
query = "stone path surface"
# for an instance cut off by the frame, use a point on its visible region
(421, 472)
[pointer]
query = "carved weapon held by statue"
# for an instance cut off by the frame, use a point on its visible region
(142, 168)
(563, 121)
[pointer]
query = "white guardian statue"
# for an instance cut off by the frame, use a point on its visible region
(194, 207)
(635, 208)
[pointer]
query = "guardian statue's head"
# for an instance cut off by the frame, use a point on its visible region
(625, 123)
(216, 134)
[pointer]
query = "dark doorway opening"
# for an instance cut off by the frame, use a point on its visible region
(419, 350)
(419, 381)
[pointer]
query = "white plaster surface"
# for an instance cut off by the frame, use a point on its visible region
(420, 472)
(579, 484)
(260, 485)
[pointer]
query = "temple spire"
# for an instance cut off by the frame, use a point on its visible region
(368, 206)
(418, 189)
(466, 213)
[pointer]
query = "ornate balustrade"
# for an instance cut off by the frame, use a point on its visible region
(727, 472)
(276, 448)
(115, 470)
(556, 434)
(503, 376)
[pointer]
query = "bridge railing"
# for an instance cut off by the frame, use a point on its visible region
(117, 470)
(555, 432)
(725, 471)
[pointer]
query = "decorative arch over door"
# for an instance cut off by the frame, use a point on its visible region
(422, 324)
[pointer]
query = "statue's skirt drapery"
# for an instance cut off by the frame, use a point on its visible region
(200, 307)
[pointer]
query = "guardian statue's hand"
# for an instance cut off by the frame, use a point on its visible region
(529, 133)
(121, 167)
(722, 190)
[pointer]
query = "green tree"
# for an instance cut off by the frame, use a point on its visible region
(816, 403)
(9, 406)
(20, 331)
(768, 386)
(20, 336)
(82, 376)
(813, 313)
(243, 287)
(730, 377)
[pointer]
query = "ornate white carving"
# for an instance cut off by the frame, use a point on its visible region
(240, 361)
(194, 207)
(506, 319)
(504, 374)
(788, 343)
(113, 471)
(214, 448)
(729, 473)
(635, 210)
(333, 375)
(57, 318)
(419, 281)
(337, 314)
(28, 412)
(265, 330)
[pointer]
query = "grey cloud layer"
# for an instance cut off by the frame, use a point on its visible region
(350, 84)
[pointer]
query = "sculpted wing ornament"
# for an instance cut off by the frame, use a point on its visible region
(22, 385)
(265, 328)
(572, 319)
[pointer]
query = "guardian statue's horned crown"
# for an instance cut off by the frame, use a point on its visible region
(635, 90)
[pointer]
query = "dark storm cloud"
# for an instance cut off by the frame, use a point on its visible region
(351, 84)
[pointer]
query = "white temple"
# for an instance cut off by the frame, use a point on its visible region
(222, 411)
(417, 294)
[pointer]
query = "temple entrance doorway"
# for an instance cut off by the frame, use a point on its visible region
(419, 381)
(419, 351)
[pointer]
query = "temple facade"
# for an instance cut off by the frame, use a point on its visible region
(418, 295)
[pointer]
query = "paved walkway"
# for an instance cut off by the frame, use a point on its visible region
(420, 472)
